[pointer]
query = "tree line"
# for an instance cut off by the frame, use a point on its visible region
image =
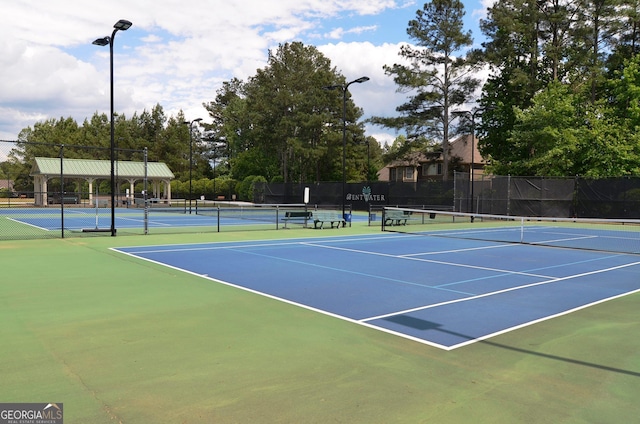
(281, 125)
(562, 94)
(561, 99)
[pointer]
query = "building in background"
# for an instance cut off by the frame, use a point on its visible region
(421, 166)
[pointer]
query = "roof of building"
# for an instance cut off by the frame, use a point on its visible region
(99, 168)
(460, 147)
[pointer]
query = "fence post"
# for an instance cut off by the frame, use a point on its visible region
(61, 191)
(145, 197)
(509, 194)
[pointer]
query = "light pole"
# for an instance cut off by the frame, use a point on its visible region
(344, 89)
(121, 25)
(471, 115)
(190, 124)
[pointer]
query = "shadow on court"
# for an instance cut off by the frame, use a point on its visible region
(424, 325)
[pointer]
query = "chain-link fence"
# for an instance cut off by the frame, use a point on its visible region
(578, 197)
(55, 190)
(488, 194)
(360, 196)
(58, 191)
(52, 191)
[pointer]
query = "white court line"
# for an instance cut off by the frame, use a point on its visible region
(33, 225)
(565, 239)
(605, 236)
(364, 322)
(483, 268)
(238, 246)
(290, 302)
(539, 283)
(526, 324)
(141, 221)
(469, 249)
(89, 212)
(257, 243)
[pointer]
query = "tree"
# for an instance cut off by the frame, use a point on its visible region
(545, 136)
(288, 104)
(597, 27)
(562, 134)
(401, 148)
(530, 46)
(554, 24)
(281, 124)
(512, 55)
(441, 82)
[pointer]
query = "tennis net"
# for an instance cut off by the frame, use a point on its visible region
(611, 235)
(266, 213)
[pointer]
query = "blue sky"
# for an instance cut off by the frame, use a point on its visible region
(178, 55)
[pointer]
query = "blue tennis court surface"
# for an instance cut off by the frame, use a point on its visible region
(443, 292)
(77, 219)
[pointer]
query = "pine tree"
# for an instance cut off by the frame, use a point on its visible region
(440, 80)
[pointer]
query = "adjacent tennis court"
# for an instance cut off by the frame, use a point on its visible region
(77, 219)
(440, 290)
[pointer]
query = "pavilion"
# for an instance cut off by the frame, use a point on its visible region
(158, 175)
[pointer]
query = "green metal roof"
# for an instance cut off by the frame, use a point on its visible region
(99, 168)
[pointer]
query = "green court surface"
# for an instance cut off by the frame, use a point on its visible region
(120, 340)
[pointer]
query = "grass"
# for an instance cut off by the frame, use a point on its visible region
(118, 340)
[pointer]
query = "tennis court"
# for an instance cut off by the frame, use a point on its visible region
(321, 326)
(445, 291)
(79, 219)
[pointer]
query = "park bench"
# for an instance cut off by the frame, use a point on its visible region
(320, 217)
(64, 199)
(396, 217)
(296, 216)
(70, 199)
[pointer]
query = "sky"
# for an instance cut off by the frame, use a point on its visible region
(178, 55)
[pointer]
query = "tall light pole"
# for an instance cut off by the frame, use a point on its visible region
(121, 25)
(471, 114)
(190, 124)
(344, 89)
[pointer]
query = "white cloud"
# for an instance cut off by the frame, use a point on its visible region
(174, 55)
(378, 95)
(338, 33)
(482, 12)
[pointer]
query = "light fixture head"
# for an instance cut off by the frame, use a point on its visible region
(122, 25)
(361, 79)
(104, 41)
